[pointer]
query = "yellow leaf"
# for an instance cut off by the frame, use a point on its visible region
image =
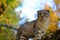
(57, 2)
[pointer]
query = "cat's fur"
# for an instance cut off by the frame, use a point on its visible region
(34, 28)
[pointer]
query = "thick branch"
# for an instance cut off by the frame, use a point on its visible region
(54, 36)
(8, 26)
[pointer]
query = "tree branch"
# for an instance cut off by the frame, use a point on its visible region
(8, 26)
(54, 36)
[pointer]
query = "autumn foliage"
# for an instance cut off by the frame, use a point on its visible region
(8, 16)
(53, 20)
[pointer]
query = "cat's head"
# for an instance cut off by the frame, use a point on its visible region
(43, 14)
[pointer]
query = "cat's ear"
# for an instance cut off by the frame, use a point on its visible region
(37, 11)
(47, 10)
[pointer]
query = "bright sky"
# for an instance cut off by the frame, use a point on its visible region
(30, 7)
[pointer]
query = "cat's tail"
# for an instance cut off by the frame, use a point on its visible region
(8, 26)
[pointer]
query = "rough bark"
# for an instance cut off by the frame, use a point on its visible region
(54, 36)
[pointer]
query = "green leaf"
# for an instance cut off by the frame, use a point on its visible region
(9, 1)
(58, 18)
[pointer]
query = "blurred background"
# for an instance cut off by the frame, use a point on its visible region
(18, 12)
